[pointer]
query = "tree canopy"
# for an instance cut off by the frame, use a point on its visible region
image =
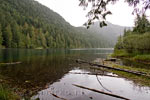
(99, 9)
(136, 40)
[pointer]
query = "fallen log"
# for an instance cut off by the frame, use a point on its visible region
(11, 63)
(97, 91)
(111, 59)
(112, 68)
(95, 74)
(58, 96)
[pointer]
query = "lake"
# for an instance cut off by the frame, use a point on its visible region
(52, 73)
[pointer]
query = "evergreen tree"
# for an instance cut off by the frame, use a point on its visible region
(1, 37)
(7, 35)
(32, 36)
(15, 35)
(28, 41)
(138, 39)
(142, 24)
(49, 40)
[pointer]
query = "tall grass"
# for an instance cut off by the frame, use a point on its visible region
(120, 53)
(142, 57)
(6, 94)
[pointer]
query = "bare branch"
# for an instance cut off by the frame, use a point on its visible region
(99, 9)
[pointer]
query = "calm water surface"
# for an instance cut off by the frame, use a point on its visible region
(52, 71)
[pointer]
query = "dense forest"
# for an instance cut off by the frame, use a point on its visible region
(136, 40)
(28, 24)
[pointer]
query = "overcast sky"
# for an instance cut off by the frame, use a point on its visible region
(75, 15)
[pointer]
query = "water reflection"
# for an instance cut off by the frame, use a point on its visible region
(50, 71)
(39, 67)
(12, 55)
(119, 86)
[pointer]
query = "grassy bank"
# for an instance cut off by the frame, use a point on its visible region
(137, 57)
(139, 80)
(145, 58)
(7, 94)
(142, 58)
(120, 53)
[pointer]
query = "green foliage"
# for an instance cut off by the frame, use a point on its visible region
(127, 33)
(15, 36)
(7, 35)
(119, 44)
(142, 25)
(120, 53)
(145, 58)
(28, 24)
(5, 94)
(136, 41)
(1, 37)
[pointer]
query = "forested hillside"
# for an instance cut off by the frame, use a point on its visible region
(28, 24)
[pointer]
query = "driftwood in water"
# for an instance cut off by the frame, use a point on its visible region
(102, 84)
(119, 69)
(94, 74)
(11, 63)
(97, 91)
(58, 96)
(111, 59)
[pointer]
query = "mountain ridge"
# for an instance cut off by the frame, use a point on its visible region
(110, 32)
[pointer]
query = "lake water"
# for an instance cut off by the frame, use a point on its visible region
(52, 72)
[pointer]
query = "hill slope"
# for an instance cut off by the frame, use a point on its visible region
(28, 24)
(110, 32)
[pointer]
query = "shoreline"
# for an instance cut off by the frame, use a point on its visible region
(137, 57)
(137, 79)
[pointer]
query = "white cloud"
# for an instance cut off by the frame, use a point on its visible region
(75, 15)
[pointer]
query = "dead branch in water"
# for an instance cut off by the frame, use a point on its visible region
(58, 96)
(97, 91)
(11, 63)
(112, 68)
(102, 84)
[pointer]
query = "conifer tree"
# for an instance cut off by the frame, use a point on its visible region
(7, 35)
(1, 37)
